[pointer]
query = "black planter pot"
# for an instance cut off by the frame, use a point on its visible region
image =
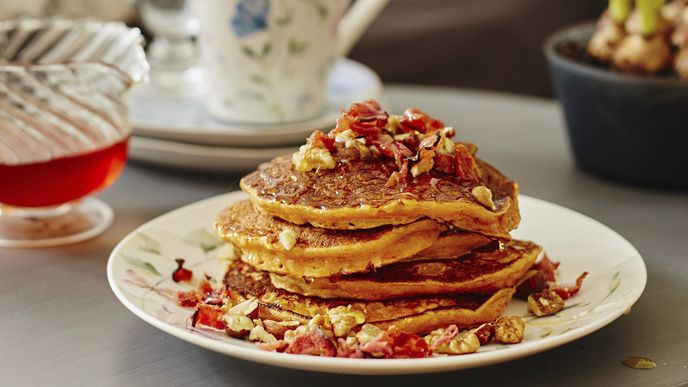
(624, 127)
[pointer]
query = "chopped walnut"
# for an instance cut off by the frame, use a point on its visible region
(485, 333)
(403, 136)
(259, 333)
(345, 136)
(290, 334)
(484, 196)
(393, 123)
(446, 145)
(545, 303)
(287, 238)
(364, 152)
(343, 319)
(425, 164)
(238, 325)
(279, 328)
(247, 308)
(367, 333)
(509, 329)
(453, 344)
(310, 157)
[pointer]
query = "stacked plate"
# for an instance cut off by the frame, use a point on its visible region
(177, 131)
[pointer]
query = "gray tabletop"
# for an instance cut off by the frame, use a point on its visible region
(61, 325)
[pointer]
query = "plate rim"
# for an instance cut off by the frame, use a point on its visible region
(200, 150)
(252, 135)
(372, 366)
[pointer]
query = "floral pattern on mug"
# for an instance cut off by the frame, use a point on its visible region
(251, 16)
(268, 61)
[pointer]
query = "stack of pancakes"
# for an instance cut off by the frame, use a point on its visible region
(427, 255)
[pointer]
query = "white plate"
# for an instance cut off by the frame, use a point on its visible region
(140, 267)
(186, 119)
(201, 157)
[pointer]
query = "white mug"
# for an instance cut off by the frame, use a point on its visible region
(267, 61)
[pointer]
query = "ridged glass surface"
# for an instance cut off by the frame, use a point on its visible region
(62, 85)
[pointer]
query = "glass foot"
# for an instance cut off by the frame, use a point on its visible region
(69, 223)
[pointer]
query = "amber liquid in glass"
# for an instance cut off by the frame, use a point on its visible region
(61, 180)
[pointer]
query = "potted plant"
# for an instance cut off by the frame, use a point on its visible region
(623, 85)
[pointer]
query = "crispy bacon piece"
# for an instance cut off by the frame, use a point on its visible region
(568, 291)
(393, 149)
(538, 278)
(319, 139)
(205, 288)
(548, 268)
(444, 163)
(397, 344)
(543, 276)
(410, 142)
(209, 316)
(181, 274)
(417, 136)
(345, 350)
(188, 298)
(365, 119)
(485, 333)
(313, 343)
(367, 111)
(378, 347)
(534, 282)
(464, 163)
(416, 119)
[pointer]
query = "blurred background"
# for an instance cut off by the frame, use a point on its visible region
(484, 44)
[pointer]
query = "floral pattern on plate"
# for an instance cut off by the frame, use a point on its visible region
(140, 273)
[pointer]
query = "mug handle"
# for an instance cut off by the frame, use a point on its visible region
(355, 22)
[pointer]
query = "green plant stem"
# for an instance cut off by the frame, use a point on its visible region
(619, 10)
(648, 16)
(659, 4)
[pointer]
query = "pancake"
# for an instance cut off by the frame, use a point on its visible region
(321, 252)
(355, 194)
(415, 314)
(487, 270)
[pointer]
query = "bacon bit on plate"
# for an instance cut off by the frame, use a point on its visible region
(205, 288)
(350, 351)
(313, 343)
(188, 298)
(548, 268)
(568, 291)
(181, 274)
(397, 344)
(209, 316)
(538, 278)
